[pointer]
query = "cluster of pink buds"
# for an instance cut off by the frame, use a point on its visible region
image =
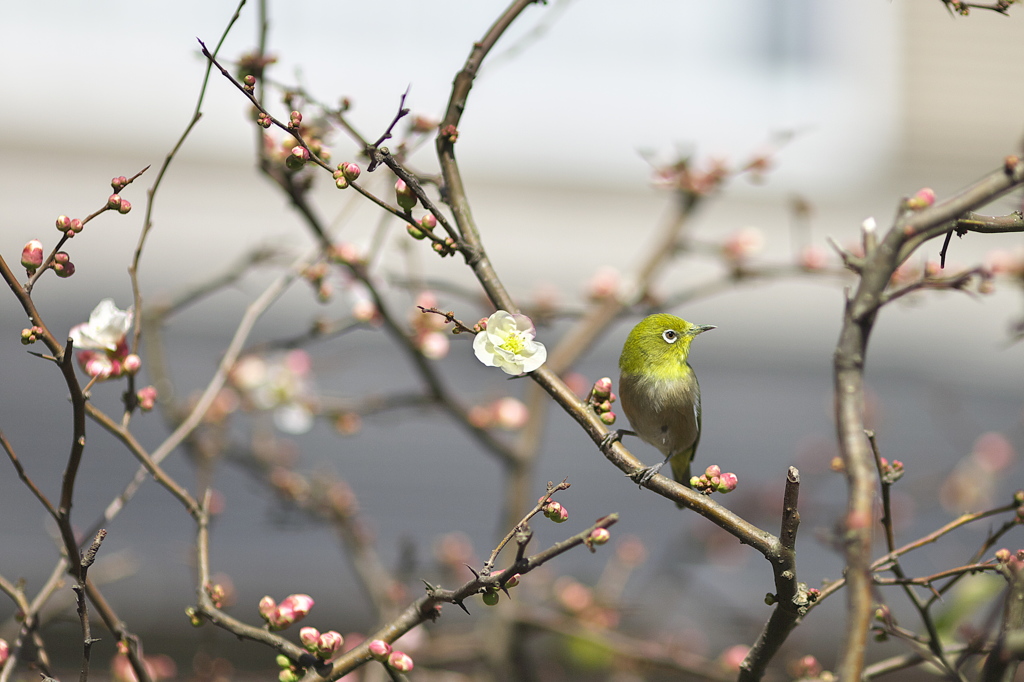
(297, 157)
(263, 120)
(249, 82)
(346, 173)
(324, 645)
(69, 226)
(32, 256)
(116, 203)
(448, 247)
(601, 399)
(555, 511)
(294, 120)
(292, 609)
(891, 471)
(30, 335)
(424, 225)
(119, 183)
(382, 651)
(713, 480)
(1013, 561)
(62, 264)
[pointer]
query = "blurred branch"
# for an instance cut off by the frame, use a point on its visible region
(910, 230)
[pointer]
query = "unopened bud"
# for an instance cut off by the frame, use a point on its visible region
(125, 207)
(114, 202)
(32, 255)
(924, 198)
(428, 222)
(400, 661)
(404, 195)
(351, 171)
(147, 398)
(599, 536)
(379, 649)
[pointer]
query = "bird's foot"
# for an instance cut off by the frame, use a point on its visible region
(614, 437)
(642, 476)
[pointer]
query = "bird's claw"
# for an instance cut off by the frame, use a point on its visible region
(611, 437)
(642, 476)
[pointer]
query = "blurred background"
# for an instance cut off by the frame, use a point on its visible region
(577, 103)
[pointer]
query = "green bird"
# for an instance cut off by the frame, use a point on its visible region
(659, 392)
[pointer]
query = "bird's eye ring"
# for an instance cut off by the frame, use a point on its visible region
(670, 335)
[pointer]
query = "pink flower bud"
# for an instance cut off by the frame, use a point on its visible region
(114, 202)
(310, 638)
(607, 418)
(96, 366)
(604, 284)
(510, 413)
(924, 198)
(428, 222)
(294, 119)
(743, 244)
(119, 183)
(249, 81)
(727, 482)
(813, 258)
(132, 363)
(263, 121)
(125, 207)
(351, 171)
(32, 255)
(299, 605)
(63, 268)
(63, 223)
(400, 661)
(712, 471)
(267, 607)
(76, 226)
(404, 196)
(513, 581)
(600, 536)
(379, 649)
(603, 387)
(147, 398)
(329, 644)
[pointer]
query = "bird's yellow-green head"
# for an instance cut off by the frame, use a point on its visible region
(659, 345)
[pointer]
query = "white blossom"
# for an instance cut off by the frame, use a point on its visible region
(508, 343)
